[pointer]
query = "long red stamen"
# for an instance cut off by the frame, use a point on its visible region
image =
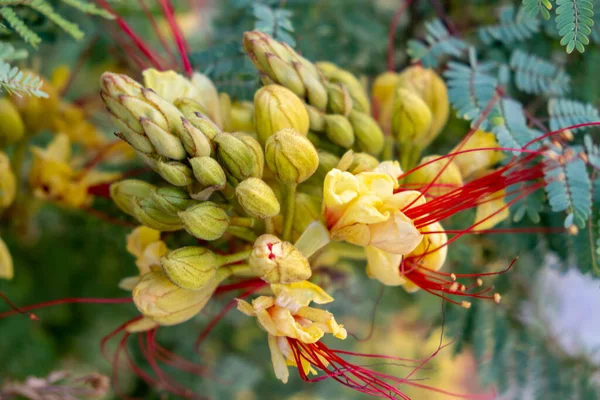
(178, 35)
(72, 300)
(158, 32)
(16, 309)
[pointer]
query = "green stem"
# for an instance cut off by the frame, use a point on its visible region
(242, 233)
(388, 149)
(289, 198)
(409, 156)
(235, 257)
(245, 222)
(270, 226)
(242, 270)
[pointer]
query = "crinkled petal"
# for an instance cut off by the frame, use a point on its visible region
(140, 238)
(384, 266)
(397, 235)
(493, 211)
(278, 360)
(299, 294)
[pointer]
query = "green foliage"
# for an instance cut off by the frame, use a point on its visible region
(565, 112)
(439, 43)
(510, 28)
(569, 188)
(511, 129)
(8, 12)
(276, 23)
(15, 82)
(534, 75)
(535, 7)
(9, 53)
(574, 23)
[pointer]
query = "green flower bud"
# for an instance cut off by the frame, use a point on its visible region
(276, 261)
(171, 113)
(316, 119)
(308, 210)
(316, 92)
(188, 107)
(196, 143)
(115, 85)
(206, 221)
(175, 173)
(208, 172)
(446, 180)
(411, 118)
(327, 162)
(333, 73)
(139, 107)
(156, 297)
(291, 156)
(6, 262)
(122, 193)
(257, 151)
(171, 199)
(285, 74)
(241, 117)
(339, 130)
(234, 156)
(257, 198)
(138, 141)
(339, 100)
(165, 143)
(8, 182)
(275, 108)
(356, 163)
(12, 128)
(369, 136)
(149, 214)
(190, 267)
(256, 48)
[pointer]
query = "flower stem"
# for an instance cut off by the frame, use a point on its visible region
(242, 233)
(245, 222)
(235, 257)
(289, 198)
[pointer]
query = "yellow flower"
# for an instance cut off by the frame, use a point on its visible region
(287, 315)
(71, 120)
(145, 244)
(362, 209)
(491, 211)
(6, 263)
(476, 161)
(52, 176)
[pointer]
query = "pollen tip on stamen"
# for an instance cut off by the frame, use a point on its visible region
(453, 276)
(479, 282)
(454, 287)
(463, 288)
(567, 135)
(497, 298)
(33, 317)
(584, 157)
(465, 304)
(573, 230)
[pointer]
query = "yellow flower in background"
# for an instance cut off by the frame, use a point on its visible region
(470, 163)
(492, 210)
(71, 120)
(6, 263)
(362, 209)
(144, 243)
(287, 315)
(52, 176)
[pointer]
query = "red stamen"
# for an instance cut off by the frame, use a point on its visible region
(158, 32)
(73, 300)
(392, 32)
(177, 34)
(31, 316)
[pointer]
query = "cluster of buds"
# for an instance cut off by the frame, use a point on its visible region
(337, 106)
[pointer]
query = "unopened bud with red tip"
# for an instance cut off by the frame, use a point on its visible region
(277, 261)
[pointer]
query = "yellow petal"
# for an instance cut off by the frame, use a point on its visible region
(339, 189)
(475, 161)
(367, 209)
(289, 326)
(6, 263)
(245, 307)
(59, 148)
(278, 360)
(384, 266)
(142, 325)
(403, 199)
(151, 256)
(390, 168)
(492, 212)
(169, 84)
(397, 235)
(129, 283)
(140, 238)
(431, 252)
(299, 294)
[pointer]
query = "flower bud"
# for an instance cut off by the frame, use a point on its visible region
(291, 156)
(339, 100)
(175, 173)
(189, 107)
(327, 162)
(275, 108)
(257, 198)
(477, 161)
(445, 181)
(337, 75)
(122, 193)
(308, 210)
(355, 163)
(339, 130)
(209, 97)
(285, 74)
(369, 136)
(316, 119)
(411, 119)
(171, 199)
(257, 151)
(208, 172)
(315, 88)
(8, 182)
(115, 85)
(165, 143)
(204, 124)
(276, 261)
(149, 214)
(6, 263)
(12, 128)
(234, 155)
(195, 142)
(256, 47)
(206, 221)
(382, 93)
(430, 87)
(190, 267)
(158, 298)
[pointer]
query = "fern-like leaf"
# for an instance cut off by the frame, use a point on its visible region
(535, 75)
(275, 22)
(88, 8)
(15, 82)
(535, 7)
(44, 8)
(19, 26)
(470, 88)
(9, 53)
(512, 27)
(565, 112)
(511, 129)
(574, 23)
(439, 43)
(569, 188)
